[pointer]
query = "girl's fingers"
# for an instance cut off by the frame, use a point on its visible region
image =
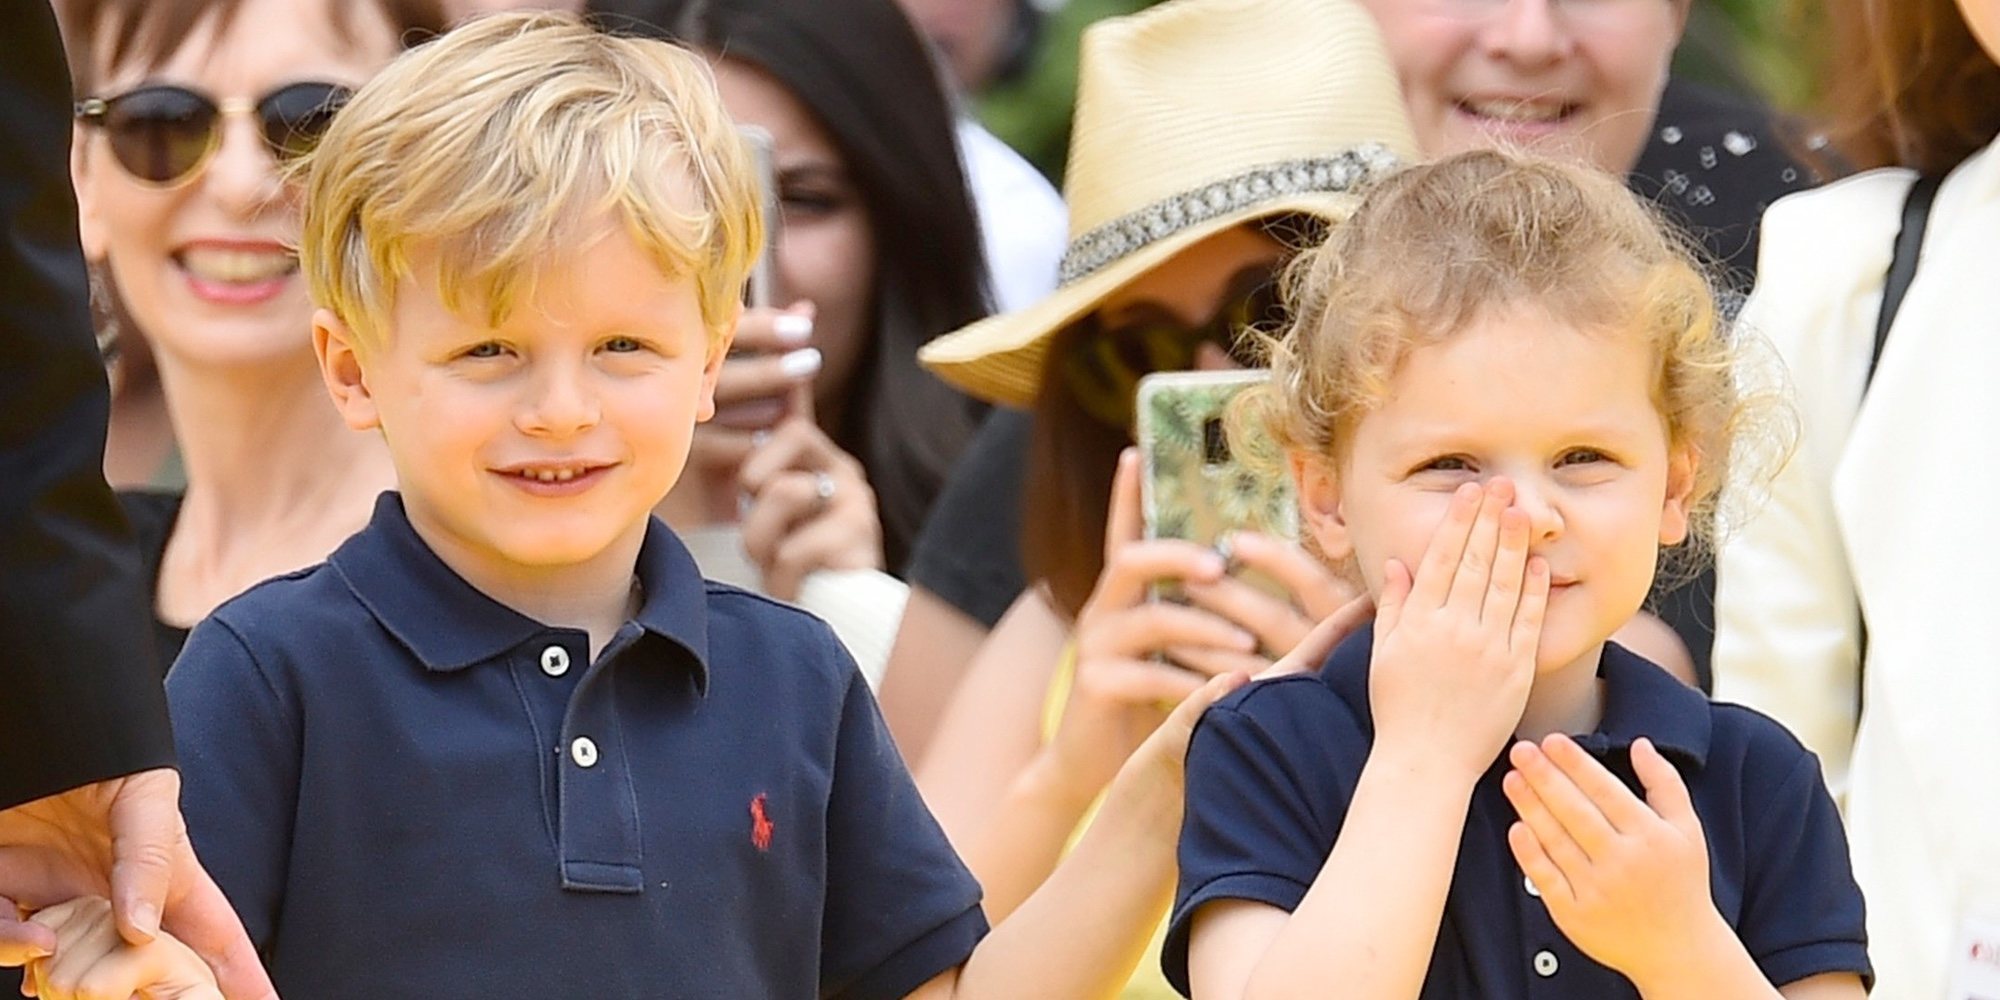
(1396, 585)
(1665, 791)
(1313, 587)
(1130, 570)
(1125, 522)
(1563, 799)
(1536, 865)
(1279, 625)
(1474, 572)
(1563, 851)
(1607, 794)
(1526, 638)
(1151, 627)
(1439, 566)
(1510, 569)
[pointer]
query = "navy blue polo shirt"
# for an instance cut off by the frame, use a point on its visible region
(1272, 768)
(407, 789)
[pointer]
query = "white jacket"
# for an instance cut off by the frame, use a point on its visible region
(1897, 502)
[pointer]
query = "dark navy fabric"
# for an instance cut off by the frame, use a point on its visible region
(385, 772)
(1272, 768)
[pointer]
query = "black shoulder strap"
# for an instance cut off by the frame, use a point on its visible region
(1902, 269)
(1903, 264)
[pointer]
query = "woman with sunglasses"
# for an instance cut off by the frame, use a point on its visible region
(189, 112)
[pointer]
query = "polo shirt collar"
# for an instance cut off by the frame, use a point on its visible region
(1640, 699)
(448, 624)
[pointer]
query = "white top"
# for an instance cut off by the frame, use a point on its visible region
(1023, 225)
(863, 606)
(1895, 503)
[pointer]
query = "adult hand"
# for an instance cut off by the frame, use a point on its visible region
(766, 378)
(810, 508)
(123, 839)
(1455, 646)
(1122, 690)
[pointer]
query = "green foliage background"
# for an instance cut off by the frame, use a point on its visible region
(1757, 47)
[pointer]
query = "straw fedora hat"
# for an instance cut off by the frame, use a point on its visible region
(1191, 117)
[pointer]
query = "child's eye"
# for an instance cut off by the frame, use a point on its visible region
(623, 345)
(1582, 456)
(1447, 463)
(485, 349)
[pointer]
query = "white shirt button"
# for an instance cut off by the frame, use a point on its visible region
(555, 661)
(1545, 964)
(584, 751)
(1530, 885)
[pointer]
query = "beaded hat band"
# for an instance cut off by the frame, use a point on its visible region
(1348, 172)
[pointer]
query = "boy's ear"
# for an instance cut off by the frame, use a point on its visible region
(89, 220)
(711, 370)
(1682, 464)
(340, 368)
(1319, 505)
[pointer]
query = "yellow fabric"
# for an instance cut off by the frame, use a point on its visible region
(1147, 982)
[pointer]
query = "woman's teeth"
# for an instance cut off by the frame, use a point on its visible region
(1518, 111)
(237, 266)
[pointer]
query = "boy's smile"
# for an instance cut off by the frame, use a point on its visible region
(542, 444)
(1567, 417)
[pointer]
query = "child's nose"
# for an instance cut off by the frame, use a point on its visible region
(1537, 499)
(560, 404)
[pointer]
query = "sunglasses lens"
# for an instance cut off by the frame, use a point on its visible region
(160, 133)
(296, 117)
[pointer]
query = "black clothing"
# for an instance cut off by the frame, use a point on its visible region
(80, 697)
(969, 553)
(152, 516)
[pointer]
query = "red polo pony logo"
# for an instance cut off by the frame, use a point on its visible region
(760, 824)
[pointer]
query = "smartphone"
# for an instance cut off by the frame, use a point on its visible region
(1193, 486)
(762, 291)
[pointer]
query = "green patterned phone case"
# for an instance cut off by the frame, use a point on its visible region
(1194, 488)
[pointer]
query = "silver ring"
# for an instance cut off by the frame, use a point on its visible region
(823, 487)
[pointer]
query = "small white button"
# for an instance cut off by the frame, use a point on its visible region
(555, 661)
(1545, 964)
(583, 751)
(1530, 885)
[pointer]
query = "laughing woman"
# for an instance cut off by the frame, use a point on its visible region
(188, 111)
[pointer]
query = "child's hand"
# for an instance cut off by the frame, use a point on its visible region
(1455, 648)
(92, 962)
(1625, 880)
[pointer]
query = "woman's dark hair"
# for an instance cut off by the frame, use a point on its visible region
(153, 30)
(1909, 85)
(1072, 457)
(862, 70)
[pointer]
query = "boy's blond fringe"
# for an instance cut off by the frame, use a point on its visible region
(513, 142)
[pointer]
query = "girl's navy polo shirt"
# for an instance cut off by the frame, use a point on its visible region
(409, 790)
(1271, 769)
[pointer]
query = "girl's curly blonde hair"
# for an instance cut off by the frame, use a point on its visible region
(1434, 247)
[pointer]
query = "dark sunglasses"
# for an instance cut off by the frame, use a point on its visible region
(1103, 365)
(163, 134)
